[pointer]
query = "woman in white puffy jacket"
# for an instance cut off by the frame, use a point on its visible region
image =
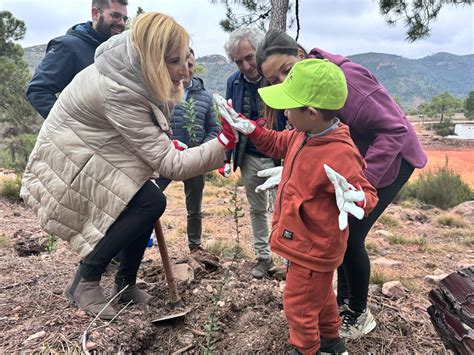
(88, 177)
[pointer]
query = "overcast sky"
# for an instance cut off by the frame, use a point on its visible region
(339, 26)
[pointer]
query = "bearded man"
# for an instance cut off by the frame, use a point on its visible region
(67, 55)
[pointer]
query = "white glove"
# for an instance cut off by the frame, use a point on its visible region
(235, 120)
(274, 178)
(346, 196)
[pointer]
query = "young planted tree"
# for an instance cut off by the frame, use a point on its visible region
(19, 122)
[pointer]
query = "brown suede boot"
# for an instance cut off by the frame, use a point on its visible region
(89, 296)
(132, 293)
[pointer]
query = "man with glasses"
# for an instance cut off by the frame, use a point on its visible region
(67, 55)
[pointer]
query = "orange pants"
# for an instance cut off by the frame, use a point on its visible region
(310, 308)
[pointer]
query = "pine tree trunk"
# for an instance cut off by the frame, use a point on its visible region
(278, 15)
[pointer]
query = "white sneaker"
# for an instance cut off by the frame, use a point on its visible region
(355, 324)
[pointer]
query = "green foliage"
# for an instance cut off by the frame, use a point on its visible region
(10, 189)
(215, 179)
(444, 105)
(399, 240)
(388, 220)
(18, 149)
(444, 128)
(199, 69)
(51, 243)
(469, 106)
(443, 188)
(449, 220)
(415, 14)
(226, 250)
(378, 277)
(17, 116)
(190, 120)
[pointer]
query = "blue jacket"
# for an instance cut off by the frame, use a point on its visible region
(65, 57)
(205, 126)
(235, 91)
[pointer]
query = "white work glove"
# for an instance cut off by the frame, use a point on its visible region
(274, 178)
(348, 198)
(236, 120)
(225, 169)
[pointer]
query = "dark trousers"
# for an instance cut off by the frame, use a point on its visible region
(354, 273)
(193, 188)
(129, 235)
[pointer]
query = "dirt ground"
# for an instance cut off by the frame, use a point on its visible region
(230, 311)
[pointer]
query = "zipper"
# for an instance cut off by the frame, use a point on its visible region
(291, 169)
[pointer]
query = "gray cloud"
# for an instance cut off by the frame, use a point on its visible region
(341, 26)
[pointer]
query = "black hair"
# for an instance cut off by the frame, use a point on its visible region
(191, 51)
(104, 4)
(327, 114)
(276, 42)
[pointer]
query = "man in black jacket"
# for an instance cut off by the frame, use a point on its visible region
(193, 123)
(67, 55)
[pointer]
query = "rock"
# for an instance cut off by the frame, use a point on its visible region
(196, 291)
(81, 314)
(37, 336)
(464, 263)
(90, 345)
(209, 289)
(438, 272)
(183, 273)
(375, 289)
(95, 335)
(382, 243)
(221, 303)
(394, 289)
(383, 233)
(434, 279)
(227, 264)
(466, 210)
(386, 262)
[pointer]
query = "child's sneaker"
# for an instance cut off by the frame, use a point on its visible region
(355, 324)
(333, 346)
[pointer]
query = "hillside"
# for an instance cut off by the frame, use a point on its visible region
(411, 80)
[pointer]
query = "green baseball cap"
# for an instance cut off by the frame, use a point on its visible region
(310, 83)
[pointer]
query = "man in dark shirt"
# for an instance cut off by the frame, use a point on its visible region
(67, 55)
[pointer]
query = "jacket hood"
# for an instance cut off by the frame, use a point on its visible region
(118, 60)
(85, 32)
(198, 84)
(341, 134)
(334, 58)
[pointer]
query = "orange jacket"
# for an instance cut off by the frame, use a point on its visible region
(305, 226)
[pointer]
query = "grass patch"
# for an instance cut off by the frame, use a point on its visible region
(4, 241)
(377, 277)
(51, 243)
(398, 240)
(450, 220)
(372, 247)
(226, 250)
(388, 220)
(468, 241)
(10, 189)
(411, 284)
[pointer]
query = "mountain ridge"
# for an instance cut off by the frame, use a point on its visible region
(410, 81)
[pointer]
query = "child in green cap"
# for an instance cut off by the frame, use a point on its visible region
(316, 193)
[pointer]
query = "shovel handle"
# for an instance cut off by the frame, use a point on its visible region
(166, 263)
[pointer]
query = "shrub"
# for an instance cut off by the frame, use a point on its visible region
(449, 220)
(443, 188)
(444, 128)
(378, 277)
(388, 220)
(10, 189)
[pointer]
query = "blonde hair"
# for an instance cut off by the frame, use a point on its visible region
(155, 37)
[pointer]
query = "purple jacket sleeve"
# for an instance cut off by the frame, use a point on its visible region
(380, 117)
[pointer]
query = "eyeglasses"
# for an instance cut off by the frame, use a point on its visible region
(117, 16)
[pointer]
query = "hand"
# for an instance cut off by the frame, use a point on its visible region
(236, 120)
(225, 169)
(274, 178)
(227, 137)
(179, 145)
(348, 198)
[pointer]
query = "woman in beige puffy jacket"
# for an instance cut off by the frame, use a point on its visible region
(88, 177)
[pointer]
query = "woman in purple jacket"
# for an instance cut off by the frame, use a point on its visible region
(389, 145)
